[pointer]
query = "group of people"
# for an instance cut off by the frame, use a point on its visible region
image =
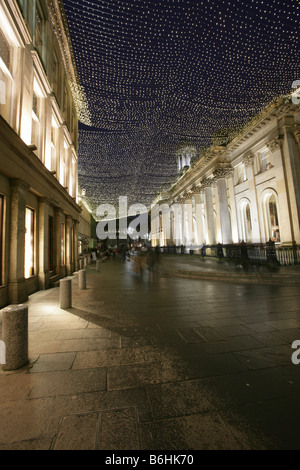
(145, 258)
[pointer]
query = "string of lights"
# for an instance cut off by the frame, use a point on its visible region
(156, 73)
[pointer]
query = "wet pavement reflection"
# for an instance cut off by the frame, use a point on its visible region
(150, 361)
(214, 357)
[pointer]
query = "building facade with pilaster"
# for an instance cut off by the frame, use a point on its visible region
(247, 190)
(39, 213)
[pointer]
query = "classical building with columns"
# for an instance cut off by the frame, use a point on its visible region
(247, 190)
(39, 213)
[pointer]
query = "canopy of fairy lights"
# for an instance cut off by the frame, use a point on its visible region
(158, 74)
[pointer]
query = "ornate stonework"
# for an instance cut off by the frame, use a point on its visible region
(248, 160)
(274, 145)
(222, 172)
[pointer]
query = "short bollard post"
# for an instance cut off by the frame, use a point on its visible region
(65, 293)
(15, 336)
(98, 264)
(85, 262)
(81, 263)
(82, 279)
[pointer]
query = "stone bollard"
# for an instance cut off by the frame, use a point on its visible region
(85, 262)
(65, 293)
(15, 336)
(82, 279)
(98, 264)
(81, 263)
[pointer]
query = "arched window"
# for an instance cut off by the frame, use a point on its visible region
(271, 216)
(246, 223)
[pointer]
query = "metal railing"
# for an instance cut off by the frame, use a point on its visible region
(264, 253)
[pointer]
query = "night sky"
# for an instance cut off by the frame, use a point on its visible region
(157, 74)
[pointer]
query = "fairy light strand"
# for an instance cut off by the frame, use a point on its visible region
(156, 73)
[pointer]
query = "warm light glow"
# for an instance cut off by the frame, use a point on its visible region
(38, 89)
(162, 74)
(34, 117)
(54, 123)
(7, 29)
(29, 243)
(5, 69)
(26, 127)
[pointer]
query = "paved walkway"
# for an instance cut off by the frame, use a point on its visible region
(156, 362)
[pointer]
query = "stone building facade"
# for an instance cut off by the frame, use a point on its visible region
(247, 190)
(39, 213)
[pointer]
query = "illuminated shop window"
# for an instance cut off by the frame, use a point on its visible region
(1, 236)
(62, 244)
(51, 244)
(29, 243)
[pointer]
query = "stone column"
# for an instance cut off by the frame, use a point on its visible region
(43, 235)
(190, 225)
(69, 229)
(233, 211)
(224, 215)
(177, 232)
(16, 286)
(256, 229)
(183, 226)
(179, 163)
(292, 168)
(75, 244)
(199, 218)
(164, 209)
(57, 241)
(209, 211)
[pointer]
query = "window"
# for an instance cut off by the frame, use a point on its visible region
(62, 244)
(246, 222)
(63, 169)
(5, 75)
(265, 160)
(271, 217)
(56, 76)
(39, 30)
(241, 175)
(35, 121)
(26, 7)
(29, 243)
(1, 236)
(72, 188)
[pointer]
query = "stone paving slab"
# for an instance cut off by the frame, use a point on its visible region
(167, 363)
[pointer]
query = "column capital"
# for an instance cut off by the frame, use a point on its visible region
(19, 184)
(207, 183)
(222, 172)
(274, 144)
(44, 200)
(196, 190)
(181, 200)
(248, 160)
